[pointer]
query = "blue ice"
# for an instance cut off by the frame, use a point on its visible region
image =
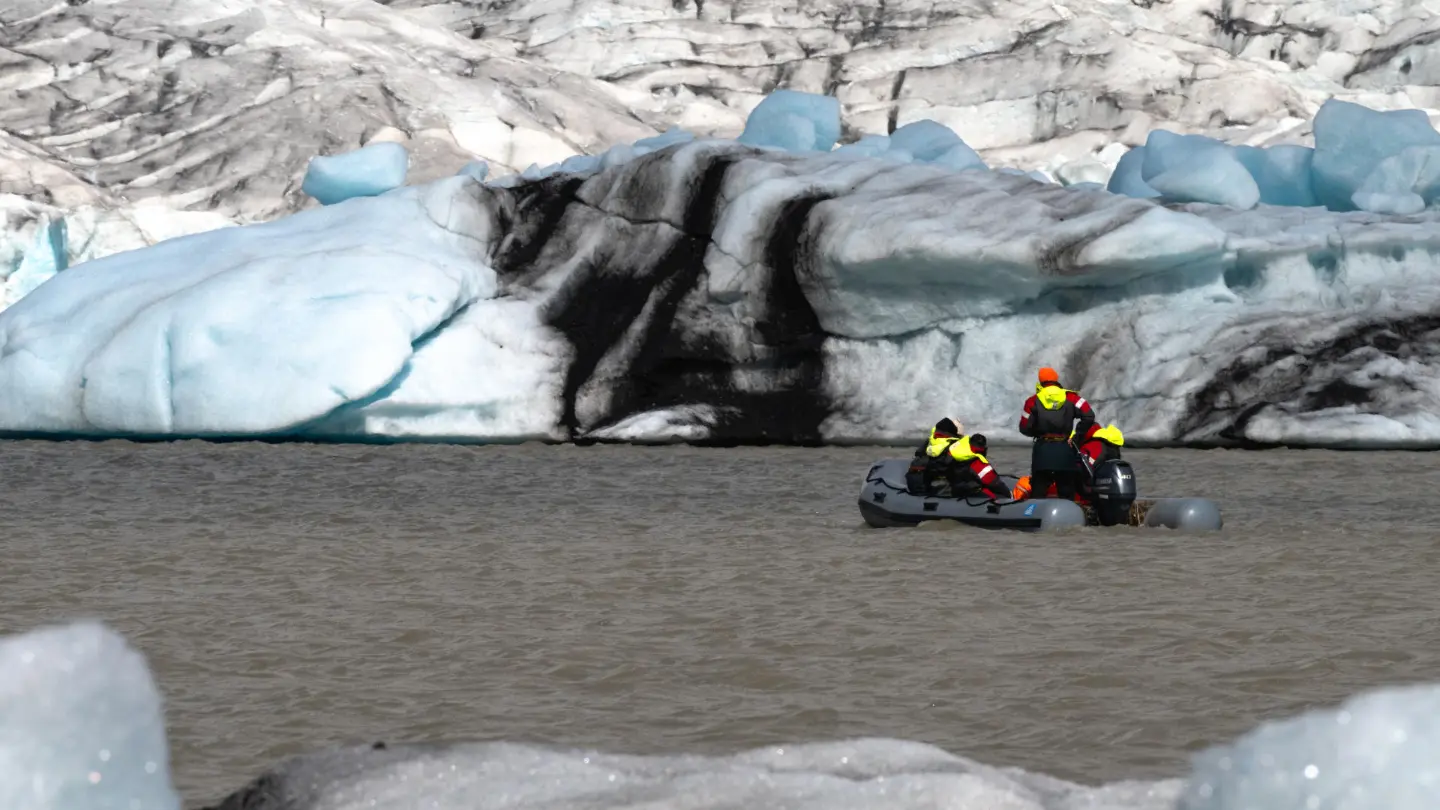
(365, 172)
(257, 328)
(794, 121)
(477, 169)
(1194, 168)
(923, 141)
(1352, 142)
(1282, 173)
(1127, 179)
(46, 256)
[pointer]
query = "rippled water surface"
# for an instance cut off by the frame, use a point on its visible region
(655, 600)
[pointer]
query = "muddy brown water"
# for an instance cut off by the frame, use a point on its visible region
(659, 600)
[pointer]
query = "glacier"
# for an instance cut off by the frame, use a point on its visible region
(91, 704)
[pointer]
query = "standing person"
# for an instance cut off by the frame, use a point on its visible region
(1049, 418)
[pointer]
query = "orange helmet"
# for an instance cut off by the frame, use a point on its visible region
(1048, 375)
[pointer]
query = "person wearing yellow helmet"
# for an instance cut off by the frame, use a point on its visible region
(1100, 444)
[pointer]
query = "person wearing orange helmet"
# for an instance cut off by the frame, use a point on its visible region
(1049, 417)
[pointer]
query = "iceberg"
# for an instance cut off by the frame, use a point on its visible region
(81, 724)
(794, 121)
(681, 288)
(1129, 177)
(1194, 168)
(364, 172)
(1352, 142)
(1281, 173)
(254, 326)
(709, 291)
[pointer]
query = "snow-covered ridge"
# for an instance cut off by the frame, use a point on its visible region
(82, 728)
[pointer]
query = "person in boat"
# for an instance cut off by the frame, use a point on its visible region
(1100, 444)
(1097, 445)
(959, 460)
(1049, 417)
(932, 461)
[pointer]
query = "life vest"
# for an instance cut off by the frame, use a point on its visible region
(939, 443)
(961, 450)
(958, 446)
(1056, 416)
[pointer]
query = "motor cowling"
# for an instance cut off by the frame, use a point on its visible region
(1115, 491)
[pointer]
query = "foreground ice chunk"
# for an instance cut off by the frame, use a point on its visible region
(794, 121)
(81, 725)
(365, 172)
(1378, 750)
(1194, 168)
(1350, 143)
(861, 774)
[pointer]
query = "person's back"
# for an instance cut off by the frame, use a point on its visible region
(932, 459)
(1049, 417)
(1101, 444)
(972, 473)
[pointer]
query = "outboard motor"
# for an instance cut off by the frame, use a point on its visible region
(1114, 491)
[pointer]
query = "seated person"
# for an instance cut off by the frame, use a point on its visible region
(958, 460)
(1101, 444)
(972, 473)
(931, 461)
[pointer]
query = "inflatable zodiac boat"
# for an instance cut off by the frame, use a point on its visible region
(886, 501)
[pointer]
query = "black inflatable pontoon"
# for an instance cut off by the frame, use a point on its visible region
(886, 502)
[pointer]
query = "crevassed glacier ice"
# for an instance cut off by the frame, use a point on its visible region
(364, 172)
(81, 724)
